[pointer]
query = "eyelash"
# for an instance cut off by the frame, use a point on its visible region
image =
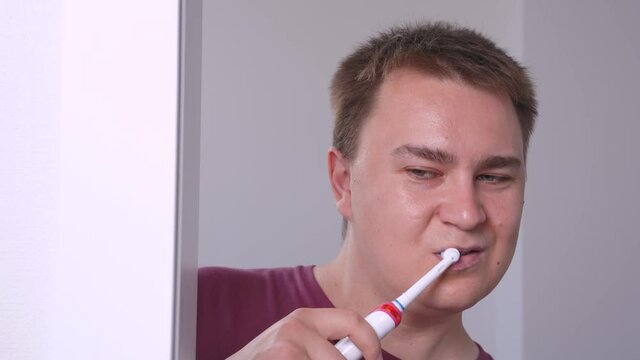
(422, 174)
(425, 174)
(496, 179)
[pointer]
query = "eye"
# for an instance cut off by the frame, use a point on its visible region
(422, 174)
(493, 179)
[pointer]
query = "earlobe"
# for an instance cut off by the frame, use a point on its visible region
(340, 178)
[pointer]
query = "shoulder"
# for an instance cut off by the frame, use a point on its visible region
(281, 289)
(210, 277)
(235, 305)
(226, 273)
(230, 279)
(483, 355)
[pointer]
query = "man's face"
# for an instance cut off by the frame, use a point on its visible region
(440, 164)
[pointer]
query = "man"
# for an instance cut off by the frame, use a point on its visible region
(432, 124)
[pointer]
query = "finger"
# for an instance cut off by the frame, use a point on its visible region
(363, 336)
(318, 348)
(298, 338)
(335, 324)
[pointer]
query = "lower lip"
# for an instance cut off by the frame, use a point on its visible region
(466, 261)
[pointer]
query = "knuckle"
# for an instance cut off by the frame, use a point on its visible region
(371, 347)
(300, 313)
(290, 328)
(285, 350)
(363, 334)
(354, 319)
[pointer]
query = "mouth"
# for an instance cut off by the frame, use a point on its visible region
(469, 257)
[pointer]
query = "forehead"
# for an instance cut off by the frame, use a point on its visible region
(413, 107)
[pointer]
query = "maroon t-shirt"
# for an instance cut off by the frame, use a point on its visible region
(235, 306)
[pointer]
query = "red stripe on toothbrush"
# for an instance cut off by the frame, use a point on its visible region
(392, 311)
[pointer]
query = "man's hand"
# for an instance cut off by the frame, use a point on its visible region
(306, 334)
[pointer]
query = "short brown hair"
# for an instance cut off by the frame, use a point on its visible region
(443, 50)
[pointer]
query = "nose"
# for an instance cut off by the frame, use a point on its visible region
(461, 206)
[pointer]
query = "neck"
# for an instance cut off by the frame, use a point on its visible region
(430, 337)
(423, 333)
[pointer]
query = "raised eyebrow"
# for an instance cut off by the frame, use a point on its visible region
(424, 152)
(500, 162)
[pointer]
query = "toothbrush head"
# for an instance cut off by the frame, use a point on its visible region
(451, 254)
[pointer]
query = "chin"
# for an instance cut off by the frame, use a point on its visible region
(457, 305)
(455, 296)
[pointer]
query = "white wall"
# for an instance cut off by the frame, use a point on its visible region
(88, 130)
(29, 136)
(581, 288)
(265, 197)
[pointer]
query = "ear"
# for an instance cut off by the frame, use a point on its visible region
(340, 178)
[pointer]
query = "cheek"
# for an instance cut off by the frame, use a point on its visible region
(504, 215)
(504, 210)
(416, 205)
(388, 201)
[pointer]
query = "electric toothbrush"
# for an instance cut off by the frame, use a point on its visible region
(387, 316)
